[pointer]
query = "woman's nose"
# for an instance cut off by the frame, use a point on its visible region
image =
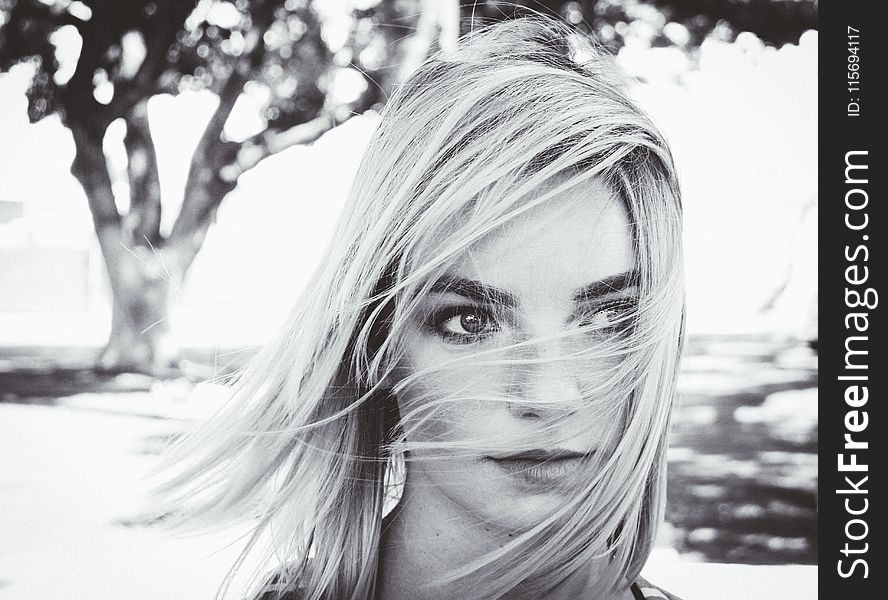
(545, 387)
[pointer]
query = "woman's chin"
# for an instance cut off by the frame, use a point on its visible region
(509, 498)
(519, 502)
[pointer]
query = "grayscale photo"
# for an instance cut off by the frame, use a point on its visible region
(408, 299)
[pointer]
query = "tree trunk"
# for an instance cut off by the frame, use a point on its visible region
(140, 339)
(142, 276)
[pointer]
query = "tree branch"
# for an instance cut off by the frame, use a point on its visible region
(205, 188)
(91, 170)
(158, 41)
(142, 222)
(216, 165)
(203, 184)
(266, 143)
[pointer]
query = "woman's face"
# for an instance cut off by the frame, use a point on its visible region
(494, 351)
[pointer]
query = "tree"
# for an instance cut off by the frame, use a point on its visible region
(298, 52)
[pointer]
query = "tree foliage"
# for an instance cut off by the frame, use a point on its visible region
(287, 48)
(682, 23)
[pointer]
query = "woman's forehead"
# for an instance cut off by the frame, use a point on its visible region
(574, 238)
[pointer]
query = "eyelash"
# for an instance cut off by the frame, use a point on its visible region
(440, 318)
(626, 308)
(624, 321)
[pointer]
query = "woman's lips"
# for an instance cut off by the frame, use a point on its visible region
(541, 468)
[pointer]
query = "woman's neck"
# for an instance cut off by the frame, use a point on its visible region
(423, 540)
(428, 537)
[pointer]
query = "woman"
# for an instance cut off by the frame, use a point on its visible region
(491, 345)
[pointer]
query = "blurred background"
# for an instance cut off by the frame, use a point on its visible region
(171, 174)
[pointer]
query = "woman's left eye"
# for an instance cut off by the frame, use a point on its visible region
(465, 324)
(612, 317)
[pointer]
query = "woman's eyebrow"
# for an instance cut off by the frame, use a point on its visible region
(608, 285)
(474, 290)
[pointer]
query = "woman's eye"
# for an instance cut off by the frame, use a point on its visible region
(465, 325)
(612, 317)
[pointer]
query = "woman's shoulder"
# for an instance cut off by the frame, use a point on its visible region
(645, 590)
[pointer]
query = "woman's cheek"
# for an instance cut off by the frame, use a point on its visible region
(448, 391)
(452, 404)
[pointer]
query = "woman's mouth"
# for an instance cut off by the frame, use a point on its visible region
(541, 468)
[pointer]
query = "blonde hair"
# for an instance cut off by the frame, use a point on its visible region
(302, 445)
